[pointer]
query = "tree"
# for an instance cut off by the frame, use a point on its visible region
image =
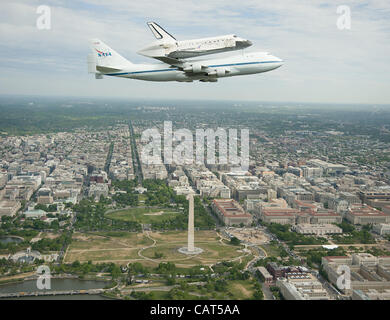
(258, 295)
(235, 241)
(115, 272)
(171, 279)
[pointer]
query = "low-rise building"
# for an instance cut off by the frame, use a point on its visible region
(97, 190)
(366, 215)
(275, 270)
(324, 217)
(367, 272)
(35, 214)
(381, 228)
(230, 212)
(302, 287)
(317, 229)
(376, 194)
(371, 294)
(279, 215)
(9, 208)
(265, 275)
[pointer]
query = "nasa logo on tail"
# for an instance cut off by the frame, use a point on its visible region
(103, 54)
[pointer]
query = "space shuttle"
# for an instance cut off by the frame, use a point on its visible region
(167, 49)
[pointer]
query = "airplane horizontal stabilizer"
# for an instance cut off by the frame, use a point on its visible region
(107, 69)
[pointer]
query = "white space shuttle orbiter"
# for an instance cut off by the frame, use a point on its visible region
(168, 49)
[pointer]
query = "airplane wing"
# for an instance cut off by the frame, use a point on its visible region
(193, 68)
(184, 65)
(171, 61)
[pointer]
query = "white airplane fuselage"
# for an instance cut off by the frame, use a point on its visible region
(203, 70)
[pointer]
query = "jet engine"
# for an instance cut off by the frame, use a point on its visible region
(195, 68)
(219, 72)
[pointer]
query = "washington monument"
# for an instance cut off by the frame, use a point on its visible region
(190, 249)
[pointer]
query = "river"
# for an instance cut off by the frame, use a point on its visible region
(9, 239)
(56, 285)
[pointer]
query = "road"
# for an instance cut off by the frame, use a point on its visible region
(136, 162)
(267, 292)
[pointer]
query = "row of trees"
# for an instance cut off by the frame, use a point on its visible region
(314, 256)
(83, 268)
(351, 235)
(47, 208)
(56, 244)
(90, 217)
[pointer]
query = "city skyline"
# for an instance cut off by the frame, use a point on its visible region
(77, 194)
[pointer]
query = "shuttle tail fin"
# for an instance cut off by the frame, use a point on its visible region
(103, 59)
(159, 33)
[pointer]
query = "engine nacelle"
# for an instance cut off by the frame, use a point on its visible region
(219, 72)
(195, 68)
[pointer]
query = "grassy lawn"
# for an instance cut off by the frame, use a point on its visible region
(144, 215)
(213, 252)
(241, 289)
(106, 246)
(121, 247)
(272, 249)
(108, 240)
(48, 235)
(114, 255)
(142, 197)
(236, 290)
(181, 236)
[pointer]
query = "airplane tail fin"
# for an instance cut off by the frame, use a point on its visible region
(103, 59)
(159, 33)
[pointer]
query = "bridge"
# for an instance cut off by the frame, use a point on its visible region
(50, 293)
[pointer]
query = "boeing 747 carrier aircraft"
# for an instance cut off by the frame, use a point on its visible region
(104, 61)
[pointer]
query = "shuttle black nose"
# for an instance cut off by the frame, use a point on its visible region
(243, 43)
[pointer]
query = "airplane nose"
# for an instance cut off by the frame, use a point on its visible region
(277, 62)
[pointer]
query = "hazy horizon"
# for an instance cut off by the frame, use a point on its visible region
(183, 100)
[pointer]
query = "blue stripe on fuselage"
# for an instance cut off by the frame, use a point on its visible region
(174, 69)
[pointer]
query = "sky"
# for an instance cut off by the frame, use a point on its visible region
(322, 63)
